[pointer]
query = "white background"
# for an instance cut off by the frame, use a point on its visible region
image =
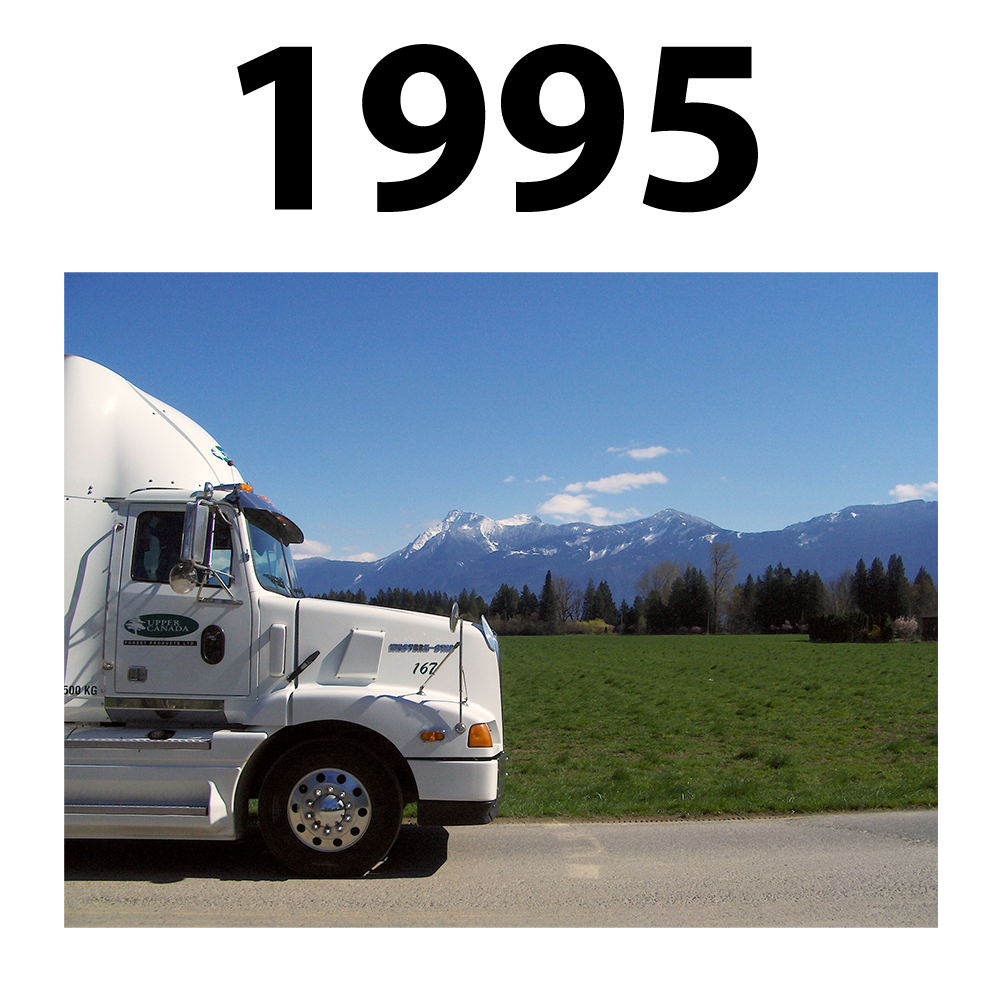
(146, 155)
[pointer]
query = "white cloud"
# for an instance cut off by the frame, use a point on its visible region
(352, 555)
(309, 548)
(538, 479)
(564, 507)
(645, 454)
(620, 483)
(913, 491)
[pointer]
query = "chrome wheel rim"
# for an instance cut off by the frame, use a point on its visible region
(329, 810)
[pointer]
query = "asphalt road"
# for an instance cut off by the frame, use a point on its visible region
(848, 870)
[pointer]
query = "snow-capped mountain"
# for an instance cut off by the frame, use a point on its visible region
(473, 552)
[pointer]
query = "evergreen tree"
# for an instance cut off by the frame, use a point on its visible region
(690, 601)
(629, 619)
(588, 612)
(809, 597)
(878, 590)
(548, 609)
(504, 604)
(775, 602)
(604, 605)
(898, 589)
(859, 587)
(477, 606)
(924, 595)
(527, 604)
(657, 621)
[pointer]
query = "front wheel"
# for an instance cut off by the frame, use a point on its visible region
(330, 809)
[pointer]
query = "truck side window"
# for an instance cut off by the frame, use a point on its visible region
(157, 546)
(222, 551)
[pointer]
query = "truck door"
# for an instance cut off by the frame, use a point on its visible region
(177, 644)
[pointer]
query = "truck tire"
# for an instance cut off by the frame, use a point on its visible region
(329, 809)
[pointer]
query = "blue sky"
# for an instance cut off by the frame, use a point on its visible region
(367, 406)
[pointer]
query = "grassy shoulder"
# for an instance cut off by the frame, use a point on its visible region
(716, 725)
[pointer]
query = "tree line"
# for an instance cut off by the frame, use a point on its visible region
(671, 598)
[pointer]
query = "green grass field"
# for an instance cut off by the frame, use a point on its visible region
(716, 725)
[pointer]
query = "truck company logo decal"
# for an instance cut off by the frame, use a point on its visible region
(421, 647)
(160, 626)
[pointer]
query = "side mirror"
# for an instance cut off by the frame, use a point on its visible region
(454, 616)
(196, 520)
(184, 576)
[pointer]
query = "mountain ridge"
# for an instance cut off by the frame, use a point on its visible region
(470, 551)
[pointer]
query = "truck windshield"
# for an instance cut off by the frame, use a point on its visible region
(272, 559)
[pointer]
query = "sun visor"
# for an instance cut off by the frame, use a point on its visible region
(260, 511)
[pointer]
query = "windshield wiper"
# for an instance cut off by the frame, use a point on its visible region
(278, 581)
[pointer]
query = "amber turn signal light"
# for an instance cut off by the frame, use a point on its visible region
(431, 735)
(479, 735)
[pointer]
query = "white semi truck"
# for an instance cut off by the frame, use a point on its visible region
(199, 678)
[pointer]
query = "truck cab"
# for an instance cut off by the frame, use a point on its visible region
(200, 679)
